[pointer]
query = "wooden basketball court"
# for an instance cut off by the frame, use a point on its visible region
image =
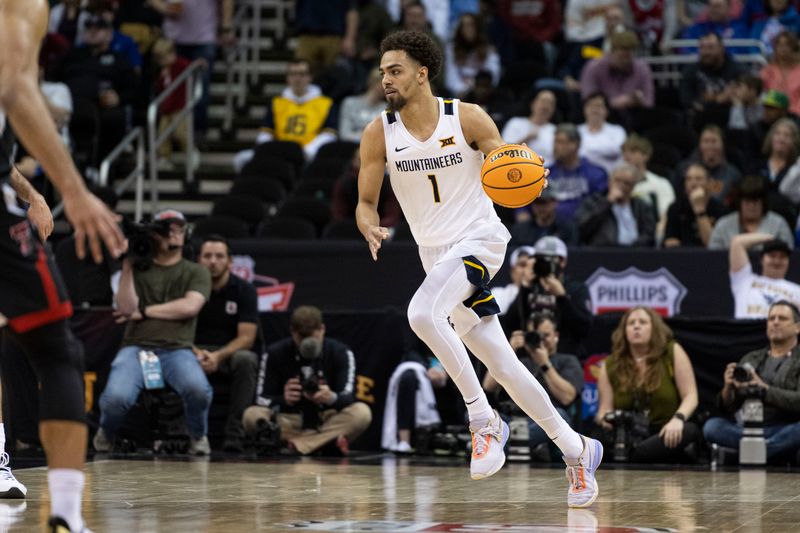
(383, 493)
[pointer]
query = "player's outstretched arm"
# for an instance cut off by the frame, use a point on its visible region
(24, 23)
(370, 180)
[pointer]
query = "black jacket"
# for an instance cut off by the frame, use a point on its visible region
(597, 224)
(336, 367)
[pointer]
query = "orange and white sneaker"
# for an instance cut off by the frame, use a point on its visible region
(583, 488)
(488, 441)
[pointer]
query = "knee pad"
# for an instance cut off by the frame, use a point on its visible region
(57, 358)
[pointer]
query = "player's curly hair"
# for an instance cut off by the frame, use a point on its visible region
(419, 46)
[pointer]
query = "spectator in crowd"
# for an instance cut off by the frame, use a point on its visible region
(781, 16)
(497, 23)
(652, 188)
(160, 304)
(601, 142)
(416, 17)
(584, 21)
(359, 110)
(560, 374)
(344, 197)
(626, 82)
(542, 222)
(301, 114)
(718, 21)
(780, 150)
(710, 153)
(436, 17)
(309, 383)
(326, 29)
(518, 268)
(790, 186)
(100, 77)
(655, 22)
(650, 374)
(705, 87)
(498, 102)
(68, 19)
(746, 109)
(749, 142)
(753, 293)
(120, 43)
(170, 67)
(572, 177)
(227, 328)
(468, 53)
(752, 216)
(546, 288)
(374, 23)
(691, 218)
(531, 30)
(773, 376)
(616, 218)
(195, 29)
(536, 130)
(783, 71)
(142, 21)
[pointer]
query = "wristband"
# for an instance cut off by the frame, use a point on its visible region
(544, 368)
(141, 310)
(680, 417)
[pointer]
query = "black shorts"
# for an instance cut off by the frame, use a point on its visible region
(32, 293)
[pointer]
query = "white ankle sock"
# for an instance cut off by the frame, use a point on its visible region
(2, 438)
(478, 408)
(66, 490)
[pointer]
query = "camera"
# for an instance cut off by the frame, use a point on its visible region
(546, 265)
(630, 428)
(310, 383)
(141, 248)
(743, 373)
(533, 339)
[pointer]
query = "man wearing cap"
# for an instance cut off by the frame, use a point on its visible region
(518, 267)
(753, 294)
(160, 305)
(546, 289)
(544, 222)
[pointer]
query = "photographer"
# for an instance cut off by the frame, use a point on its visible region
(647, 392)
(546, 289)
(772, 374)
(159, 298)
(560, 374)
(308, 384)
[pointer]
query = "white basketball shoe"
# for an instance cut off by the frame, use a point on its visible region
(488, 440)
(10, 488)
(583, 488)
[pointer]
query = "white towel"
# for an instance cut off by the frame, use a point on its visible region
(425, 413)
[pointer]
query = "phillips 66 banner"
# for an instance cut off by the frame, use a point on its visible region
(618, 291)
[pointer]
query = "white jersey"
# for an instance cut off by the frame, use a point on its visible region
(438, 181)
(754, 294)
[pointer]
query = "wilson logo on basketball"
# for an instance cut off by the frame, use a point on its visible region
(514, 175)
(524, 154)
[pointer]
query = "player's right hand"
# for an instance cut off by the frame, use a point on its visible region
(92, 220)
(375, 236)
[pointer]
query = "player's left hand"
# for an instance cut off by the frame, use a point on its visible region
(375, 236)
(40, 216)
(672, 432)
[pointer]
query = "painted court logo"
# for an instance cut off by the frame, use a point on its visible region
(619, 291)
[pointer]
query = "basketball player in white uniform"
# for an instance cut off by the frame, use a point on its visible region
(434, 149)
(33, 301)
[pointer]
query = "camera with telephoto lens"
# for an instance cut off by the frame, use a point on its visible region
(743, 373)
(141, 246)
(533, 339)
(546, 265)
(630, 428)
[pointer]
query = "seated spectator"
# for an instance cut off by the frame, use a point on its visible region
(524, 31)
(416, 17)
(227, 328)
(141, 20)
(572, 177)
(301, 114)
(616, 218)
(560, 374)
(773, 377)
(779, 152)
(170, 67)
(160, 303)
(691, 218)
(652, 188)
(468, 53)
(308, 388)
(584, 21)
(325, 31)
(654, 22)
(68, 19)
(718, 21)
(783, 71)
(601, 142)
(790, 186)
(626, 82)
(753, 293)
(543, 222)
(359, 110)
(498, 102)
(120, 43)
(545, 288)
(746, 109)
(518, 268)
(374, 23)
(781, 16)
(752, 216)
(650, 374)
(536, 130)
(710, 153)
(344, 197)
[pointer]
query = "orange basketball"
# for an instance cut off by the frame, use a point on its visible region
(513, 175)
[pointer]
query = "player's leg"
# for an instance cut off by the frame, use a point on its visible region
(445, 287)
(10, 487)
(57, 360)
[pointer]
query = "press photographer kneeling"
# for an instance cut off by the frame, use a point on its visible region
(307, 387)
(647, 392)
(772, 375)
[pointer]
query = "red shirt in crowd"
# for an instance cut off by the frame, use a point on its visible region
(177, 100)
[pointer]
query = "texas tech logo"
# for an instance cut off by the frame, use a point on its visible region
(450, 141)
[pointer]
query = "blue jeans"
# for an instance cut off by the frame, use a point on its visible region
(536, 434)
(209, 53)
(181, 371)
(780, 439)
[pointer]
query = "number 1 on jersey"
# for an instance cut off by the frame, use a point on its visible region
(435, 187)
